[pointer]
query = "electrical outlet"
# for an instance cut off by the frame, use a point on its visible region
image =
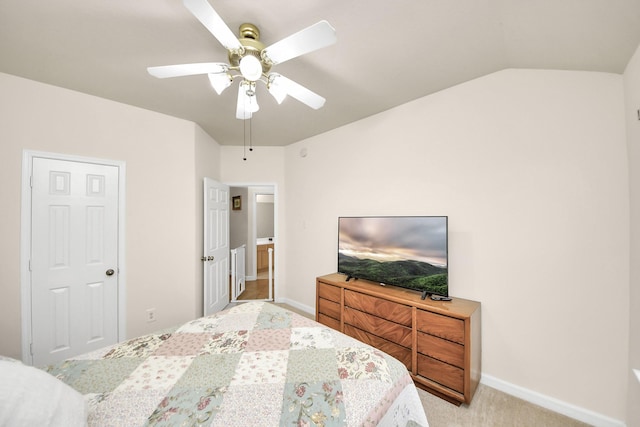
(151, 315)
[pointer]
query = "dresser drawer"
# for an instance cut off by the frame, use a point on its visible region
(329, 308)
(329, 321)
(441, 349)
(441, 326)
(440, 372)
(379, 326)
(403, 354)
(332, 293)
(389, 310)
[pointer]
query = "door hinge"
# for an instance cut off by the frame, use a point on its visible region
(29, 265)
(31, 181)
(31, 349)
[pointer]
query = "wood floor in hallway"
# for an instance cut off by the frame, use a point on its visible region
(255, 289)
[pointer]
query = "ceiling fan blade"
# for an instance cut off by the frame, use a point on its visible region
(164, 71)
(298, 91)
(203, 11)
(319, 35)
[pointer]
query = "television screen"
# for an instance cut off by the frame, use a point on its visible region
(406, 251)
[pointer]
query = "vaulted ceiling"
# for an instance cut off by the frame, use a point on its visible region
(387, 53)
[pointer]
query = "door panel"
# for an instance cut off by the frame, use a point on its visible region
(96, 299)
(74, 241)
(61, 325)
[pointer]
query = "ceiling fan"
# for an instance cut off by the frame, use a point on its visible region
(250, 61)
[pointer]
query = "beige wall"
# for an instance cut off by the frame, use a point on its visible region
(159, 152)
(531, 168)
(632, 94)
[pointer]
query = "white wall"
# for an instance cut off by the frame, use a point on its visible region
(632, 94)
(161, 155)
(531, 168)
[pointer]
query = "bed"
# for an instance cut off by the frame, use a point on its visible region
(255, 364)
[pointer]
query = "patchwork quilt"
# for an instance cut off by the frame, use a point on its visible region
(255, 364)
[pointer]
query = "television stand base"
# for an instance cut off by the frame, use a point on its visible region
(439, 298)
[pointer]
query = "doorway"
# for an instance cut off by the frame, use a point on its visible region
(253, 224)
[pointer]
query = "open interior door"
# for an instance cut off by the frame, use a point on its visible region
(216, 246)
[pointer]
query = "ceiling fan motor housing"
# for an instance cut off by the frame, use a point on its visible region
(250, 40)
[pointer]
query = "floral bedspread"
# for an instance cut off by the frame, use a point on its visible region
(255, 364)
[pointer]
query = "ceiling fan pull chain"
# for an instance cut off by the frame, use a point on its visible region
(244, 140)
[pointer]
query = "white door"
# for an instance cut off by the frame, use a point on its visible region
(216, 246)
(73, 262)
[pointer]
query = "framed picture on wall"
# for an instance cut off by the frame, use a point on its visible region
(236, 203)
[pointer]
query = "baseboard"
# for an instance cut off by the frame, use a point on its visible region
(296, 304)
(552, 404)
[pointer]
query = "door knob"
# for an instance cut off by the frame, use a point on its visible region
(110, 272)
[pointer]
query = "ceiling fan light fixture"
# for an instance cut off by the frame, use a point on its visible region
(247, 100)
(250, 68)
(219, 81)
(275, 89)
(251, 100)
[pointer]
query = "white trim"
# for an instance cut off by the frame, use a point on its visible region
(25, 242)
(581, 414)
(637, 372)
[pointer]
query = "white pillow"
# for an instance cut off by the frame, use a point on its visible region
(32, 397)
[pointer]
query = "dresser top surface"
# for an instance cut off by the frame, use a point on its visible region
(457, 307)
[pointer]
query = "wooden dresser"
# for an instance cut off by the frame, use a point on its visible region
(438, 341)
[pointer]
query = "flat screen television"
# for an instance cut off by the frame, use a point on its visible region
(406, 251)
